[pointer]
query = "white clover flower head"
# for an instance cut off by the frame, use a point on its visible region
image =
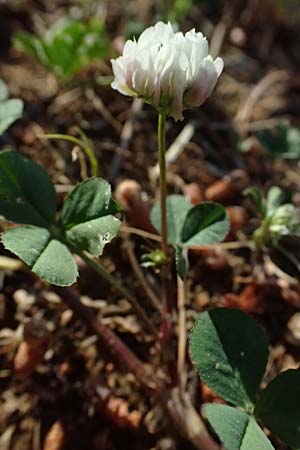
(285, 221)
(171, 71)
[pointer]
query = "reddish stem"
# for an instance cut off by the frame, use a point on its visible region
(121, 353)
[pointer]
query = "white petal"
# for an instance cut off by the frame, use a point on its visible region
(130, 48)
(203, 85)
(146, 37)
(164, 32)
(159, 33)
(117, 67)
(119, 83)
(219, 65)
(143, 78)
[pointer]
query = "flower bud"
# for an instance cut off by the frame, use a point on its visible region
(171, 71)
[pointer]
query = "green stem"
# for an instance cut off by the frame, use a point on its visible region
(113, 281)
(83, 144)
(261, 235)
(161, 138)
(166, 325)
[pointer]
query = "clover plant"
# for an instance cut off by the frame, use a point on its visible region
(43, 238)
(230, 352)
(279, 219)
(68, 46)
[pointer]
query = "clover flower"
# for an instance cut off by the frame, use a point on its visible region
(285, 221)
(171, 71)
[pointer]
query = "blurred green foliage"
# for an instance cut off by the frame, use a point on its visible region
(282, 141)
(68, 46)
(288, 3)
(177, 10)
(134, 28)
(180, 10)
(290, 9)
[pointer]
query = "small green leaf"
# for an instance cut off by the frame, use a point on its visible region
(88, 216)
(282, 141)
(236, 429)
(27, 194)
(205, 224)
(177, 209)
(89, 200)
(93, 235)
(30, 44)
(230, 351)
(257, 198)
(46, 256)
(279, 407)
(61, 45)
(275, 198)
(95, 43)
(3, 91)
(154, 259)
(10, 110)
(189, 225)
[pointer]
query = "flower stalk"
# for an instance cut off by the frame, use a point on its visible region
(161, 139)
(166, 325)
(165, 271)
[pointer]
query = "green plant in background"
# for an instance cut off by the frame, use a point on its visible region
(230, 352)
(10, 109)
(279, 219)
(282, 142)
(279, 232)
(176, 11)
(87, 221)
(290, 8)
(68, 46)
(179, 10)
(134, 27)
